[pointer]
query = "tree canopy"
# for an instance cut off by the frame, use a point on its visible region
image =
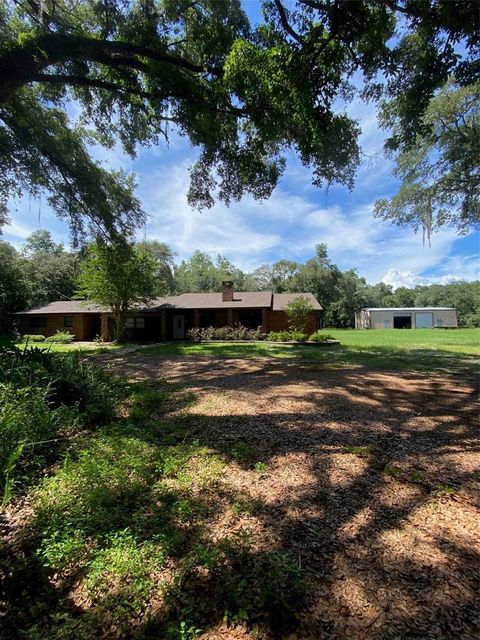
(243, 94)
(440, 170)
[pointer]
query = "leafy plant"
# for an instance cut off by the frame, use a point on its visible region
(45, 397)
(62, 337)
(298, 312)
(320, 337)
(33, 337)
(298, 336)
(287, 336)
(360, 450)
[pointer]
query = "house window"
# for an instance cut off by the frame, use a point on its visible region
(68, 321)
(37, 322)
(135, 323)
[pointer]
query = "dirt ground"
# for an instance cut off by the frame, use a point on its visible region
(371, 479)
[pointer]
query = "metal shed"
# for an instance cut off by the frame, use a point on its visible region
(406, 318)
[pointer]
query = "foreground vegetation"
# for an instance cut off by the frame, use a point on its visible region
(390, 349)
(165, 512)
(120, 518)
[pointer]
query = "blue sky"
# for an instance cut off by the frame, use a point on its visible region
(288, 225)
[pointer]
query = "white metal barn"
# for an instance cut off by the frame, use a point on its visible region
(405, 318)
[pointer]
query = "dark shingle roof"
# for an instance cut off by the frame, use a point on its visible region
(245, 299)
(241, 299)
(65, 307)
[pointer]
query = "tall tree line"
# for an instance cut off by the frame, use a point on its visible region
(43, 271)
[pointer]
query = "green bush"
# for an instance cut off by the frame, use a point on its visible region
(279, 336)
(44, 396)
(27, 420)
(287, 336)
(299, 336)
(61, 337)
(237, 332)
(298, 312)
(320, 337)
(33, 337)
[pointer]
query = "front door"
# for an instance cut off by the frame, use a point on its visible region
(178, 327)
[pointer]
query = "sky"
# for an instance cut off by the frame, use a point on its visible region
(288, 225)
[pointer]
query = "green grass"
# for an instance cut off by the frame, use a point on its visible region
(75, 347)
(388, 349)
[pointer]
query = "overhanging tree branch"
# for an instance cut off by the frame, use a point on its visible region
(22, 62)
(286, 25)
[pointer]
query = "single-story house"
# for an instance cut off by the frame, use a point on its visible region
(405, 318)
(169, 318)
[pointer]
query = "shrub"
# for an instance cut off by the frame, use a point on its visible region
(279, 336)
(298, 312)
(237, 332)
(27, 420)
(43, 396)
(62, 337)
(298, 336)
(320, 337)
(33, 338)
(287, 336)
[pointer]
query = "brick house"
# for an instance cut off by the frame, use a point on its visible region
(170, 317)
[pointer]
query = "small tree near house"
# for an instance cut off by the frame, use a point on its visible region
(118, 276)
(298, 313)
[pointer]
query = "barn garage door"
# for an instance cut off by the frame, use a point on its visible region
(424, 320)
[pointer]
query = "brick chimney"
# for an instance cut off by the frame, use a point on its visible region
(227, 291)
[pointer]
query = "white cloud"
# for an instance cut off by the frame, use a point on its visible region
(222, 229)
(409, 279)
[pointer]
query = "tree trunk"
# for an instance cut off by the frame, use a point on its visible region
(119, 315)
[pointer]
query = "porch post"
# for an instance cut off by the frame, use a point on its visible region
(264, 320)
(163, 326)
(196, 318)
(230, 317)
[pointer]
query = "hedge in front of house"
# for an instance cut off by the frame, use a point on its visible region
(237, 332)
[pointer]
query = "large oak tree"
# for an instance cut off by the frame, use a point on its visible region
(242, 94)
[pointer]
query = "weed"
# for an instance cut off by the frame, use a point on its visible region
(442, 490)
(360, 451)
(418, 476)
(243, 452)
(261, 467)
(249, 507)
(393, 471)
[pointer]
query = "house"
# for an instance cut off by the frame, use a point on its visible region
(405, 318)
(170, 318)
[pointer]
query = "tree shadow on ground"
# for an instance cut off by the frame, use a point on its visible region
(359, 523)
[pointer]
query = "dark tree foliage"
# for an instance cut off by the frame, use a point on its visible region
(12, 287)
(50, 272)
(243, 95)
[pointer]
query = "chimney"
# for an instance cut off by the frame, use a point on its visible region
(227, 291)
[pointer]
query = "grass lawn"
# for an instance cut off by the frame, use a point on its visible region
(420, 350)
(73, 347)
